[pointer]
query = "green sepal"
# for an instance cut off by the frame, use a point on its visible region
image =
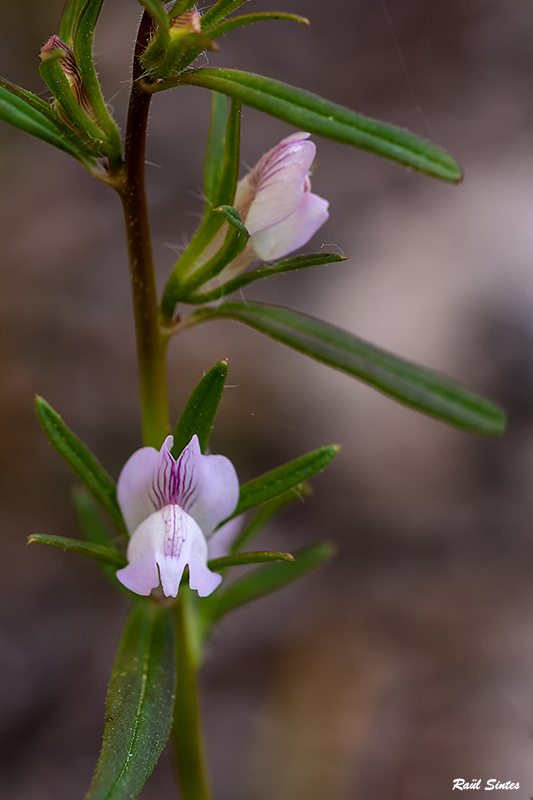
(415, 386)
(94, 530)
(54, 77)
(241, 559)
(30, 114)
(236, 240)
(232, 154)
(89, 516)
(215, 148)
(83, 38)
(139, 704)
(212, 221)
(262, 581)
(71, 13)
(219, 10)
(309, 112)
(199, 414)
(249, 19)
(287, 265)
(161, 61)
(98, 552)
(278, 481)
(81, 461)
(265, 514)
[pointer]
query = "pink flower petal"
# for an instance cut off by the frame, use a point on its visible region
(209, 486)
(273, 190)
(293, 232)
(135, 484)
(206, 487)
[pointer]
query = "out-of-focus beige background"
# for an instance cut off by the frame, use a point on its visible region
(408, 661)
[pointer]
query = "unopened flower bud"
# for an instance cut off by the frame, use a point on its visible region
(187, 24)
(70, 69)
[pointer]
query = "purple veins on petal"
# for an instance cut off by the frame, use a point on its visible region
(170, 506)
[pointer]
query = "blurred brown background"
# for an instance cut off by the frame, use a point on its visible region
(408, 661)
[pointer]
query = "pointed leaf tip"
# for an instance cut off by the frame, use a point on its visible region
(199, 414)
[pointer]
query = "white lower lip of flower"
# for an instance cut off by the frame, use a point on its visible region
(160, 549)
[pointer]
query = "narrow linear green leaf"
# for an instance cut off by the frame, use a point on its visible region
(95, 531)
(157, 12)
(263, 581)
(282, 479)
(71, 12)
(241, 559)
(139, 705)
(249, 19)
(80, 459)
(309, 112)
(219, 10)
(211, 222)
(199, 413)
(180, 7)
(98, 552)
(235, 241)
(89, 516)
(265, 514)
(29, 115)
(409, 383)
(287, 265)
(232, 155)
(215, 148)
(83, 50)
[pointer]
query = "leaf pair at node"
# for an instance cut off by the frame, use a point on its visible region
(272, 490)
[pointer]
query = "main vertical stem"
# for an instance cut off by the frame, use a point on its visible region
(151, 349)
(187, 733)
(151, 345)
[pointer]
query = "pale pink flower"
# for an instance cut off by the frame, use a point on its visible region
(275, 200)
(171, 506)
(276, 205)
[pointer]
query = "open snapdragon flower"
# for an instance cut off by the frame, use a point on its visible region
(276, 205)
(171, 506)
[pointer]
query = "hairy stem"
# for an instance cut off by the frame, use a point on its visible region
(187, 733)
(151, 345)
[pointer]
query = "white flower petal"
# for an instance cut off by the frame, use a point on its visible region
(161, 548)
(200, 576)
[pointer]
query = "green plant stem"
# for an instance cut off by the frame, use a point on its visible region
(186, 733)
(151, 344)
